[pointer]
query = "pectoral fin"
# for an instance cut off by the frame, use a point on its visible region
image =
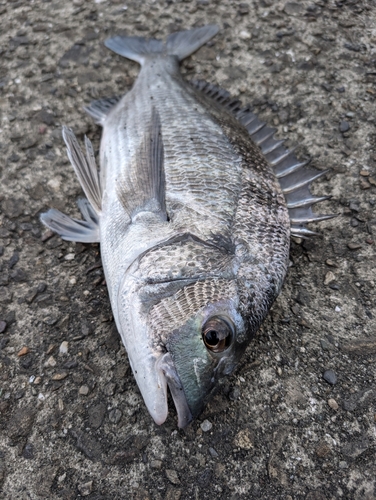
(142, 186)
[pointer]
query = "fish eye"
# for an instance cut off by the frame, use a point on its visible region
(217, 334)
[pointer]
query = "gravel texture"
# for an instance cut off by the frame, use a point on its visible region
(72, 422)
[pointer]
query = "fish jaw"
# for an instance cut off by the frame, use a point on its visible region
(167, 367)
(153, 386)
(153, 374)
(152, 366)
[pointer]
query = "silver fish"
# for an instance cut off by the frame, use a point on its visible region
(193, 207)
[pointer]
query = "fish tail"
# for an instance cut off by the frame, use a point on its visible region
(181, 44)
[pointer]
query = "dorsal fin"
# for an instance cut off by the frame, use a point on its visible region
(142, 188)
(100, 108)
(294, 178)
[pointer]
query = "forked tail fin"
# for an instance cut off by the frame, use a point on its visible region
(181, 44)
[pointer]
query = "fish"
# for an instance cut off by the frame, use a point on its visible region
(193, 206)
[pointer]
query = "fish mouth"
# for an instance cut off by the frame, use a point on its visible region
(167, 370)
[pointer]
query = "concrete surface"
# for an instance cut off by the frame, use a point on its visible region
(73, 425)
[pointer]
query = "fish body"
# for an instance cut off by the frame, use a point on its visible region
(193, 223)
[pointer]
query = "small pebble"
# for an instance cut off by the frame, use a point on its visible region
(47, 235)
(109, 389)
(70, 256)
(41, 287)
(329, 277)
(243, 440)
(354, 246)
(364, 184)
(83, 390)
(63, 349)
(51, 347)
(60, 376)
(245, 35)
(3, 325)
(86, 488)
(172, 476)
(325, 345)
(234, 394)
(243, 9)
(115, 415)
(364, 173)
(23, 351)
(19, 394)
(51, 362)
(213, 453)
(206, 426)
(62, 477)
(344, 126)
(331, 263)
(37, 380)
(333, 404)
(28, 451)
(330, 377)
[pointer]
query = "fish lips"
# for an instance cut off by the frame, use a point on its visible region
(153, 376)
(165, 366)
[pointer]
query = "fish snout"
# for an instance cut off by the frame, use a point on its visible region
(153, 376)
(165, 367)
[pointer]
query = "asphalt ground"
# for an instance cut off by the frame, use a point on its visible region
(298, 418)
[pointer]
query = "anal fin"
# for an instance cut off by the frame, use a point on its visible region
(83, 231)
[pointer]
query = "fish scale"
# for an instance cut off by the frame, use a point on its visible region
(193, 212)
(189, 201)
(194, 191)
(171, 312)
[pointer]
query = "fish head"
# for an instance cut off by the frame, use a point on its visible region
(183, 336)
(186, 327)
